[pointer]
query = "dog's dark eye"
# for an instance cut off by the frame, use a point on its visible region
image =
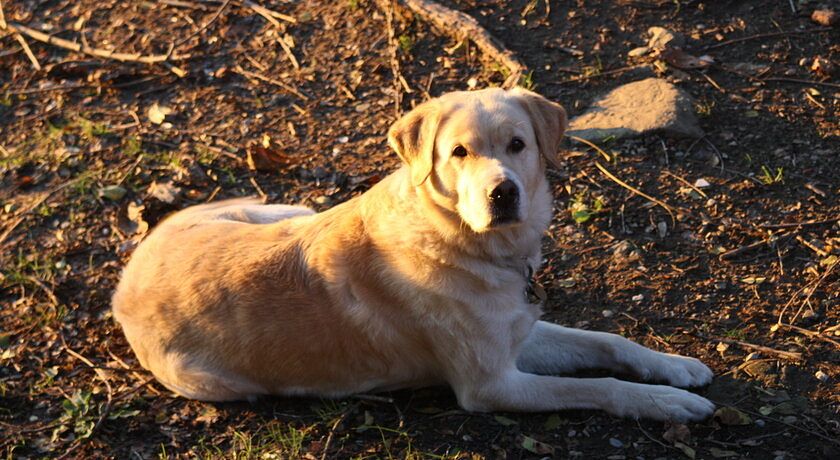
(459, 151)
(516, 145)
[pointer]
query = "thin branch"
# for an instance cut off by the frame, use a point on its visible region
(272, 81)
(269, 15)
(206, 25)
(801, 224)
(28, 51)
(765, 35)
(106, 54)
(618, 181)
(463, 26)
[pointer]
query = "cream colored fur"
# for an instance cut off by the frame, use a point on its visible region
(410, 284)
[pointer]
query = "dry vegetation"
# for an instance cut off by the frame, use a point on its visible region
(290, 100)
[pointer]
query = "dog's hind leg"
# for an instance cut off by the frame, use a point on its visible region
(553, 349)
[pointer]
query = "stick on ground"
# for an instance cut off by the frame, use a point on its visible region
(80, 48)
(463, 26)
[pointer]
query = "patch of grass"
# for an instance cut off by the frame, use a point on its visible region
(583, 209)
(593, 70)
(768, 177)
(527, 81)
(737, 334)
(704, 107)
(406, 43)
(276, 440)
(132, 146)
(89, 129)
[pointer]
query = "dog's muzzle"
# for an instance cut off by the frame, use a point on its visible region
(504, 203)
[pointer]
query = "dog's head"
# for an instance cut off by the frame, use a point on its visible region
(481, 154)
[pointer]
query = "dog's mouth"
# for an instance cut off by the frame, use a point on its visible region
(504, 217)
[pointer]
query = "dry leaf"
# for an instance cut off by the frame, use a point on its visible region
(732, 416)
(677, 433)
(165, 192)
(158, 113)
(266, 156)
(536, 447)
(825, 17)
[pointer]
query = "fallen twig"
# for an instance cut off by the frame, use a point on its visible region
(689, 184)
(618, 181)
(463, 26)
(289, 88)
(106, 409)
(206, 25)
(747, 247)
(601, 74)
(784, 354)
(269, 15)
(765, 35)
(28, 51)
(801, 224)
(106, 54)
(393, 47)
(809, 333)
(801, 81)
(814, 287)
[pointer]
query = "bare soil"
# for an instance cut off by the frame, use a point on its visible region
(83, 170)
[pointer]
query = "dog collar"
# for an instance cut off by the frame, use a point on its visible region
(534, 291)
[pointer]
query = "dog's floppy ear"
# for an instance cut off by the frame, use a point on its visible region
(413, 138)
(549, 121)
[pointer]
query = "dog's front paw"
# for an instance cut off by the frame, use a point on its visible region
(679, 371)
(660, 402)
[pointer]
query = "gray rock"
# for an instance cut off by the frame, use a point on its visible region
(650, 105)
(660, 38)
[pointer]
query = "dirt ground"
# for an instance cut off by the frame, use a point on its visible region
(93, 152)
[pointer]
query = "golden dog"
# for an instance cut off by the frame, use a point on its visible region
(419, 281)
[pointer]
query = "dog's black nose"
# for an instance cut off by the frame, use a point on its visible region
(505, 200)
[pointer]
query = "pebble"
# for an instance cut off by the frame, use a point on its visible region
(821, 376)
(760, 423)
(607, 313)
(616, 443)
(638, 297)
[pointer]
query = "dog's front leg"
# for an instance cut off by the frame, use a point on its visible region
(553, 349)
(518, 391)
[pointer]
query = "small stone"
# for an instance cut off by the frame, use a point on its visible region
(640, 107)
(638, 297)
(760, 423)
(662, 229)
(701, 183)
(710, 202)
(616, 443)
(112, 192)
(343, 140)
(572, 433)
(607, 313)
(821, 376)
